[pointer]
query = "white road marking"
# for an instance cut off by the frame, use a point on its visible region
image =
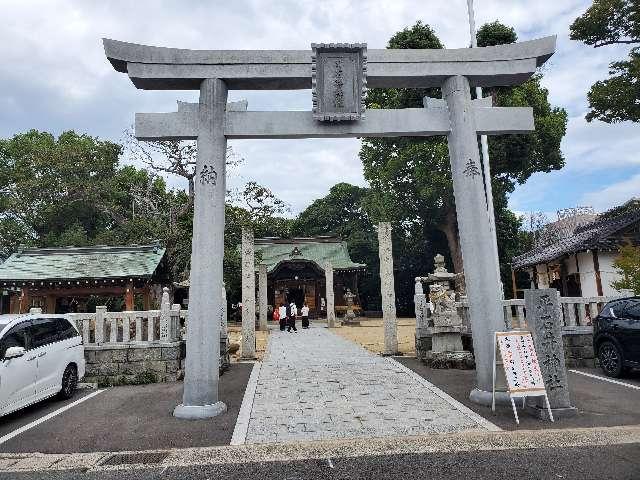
(37, 422)
(239, 436)
(606, 379)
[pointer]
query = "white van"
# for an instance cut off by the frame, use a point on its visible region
(40, 356)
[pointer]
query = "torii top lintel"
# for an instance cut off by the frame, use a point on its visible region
(160, 68)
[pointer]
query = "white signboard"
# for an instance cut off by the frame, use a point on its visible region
(520, 362)
(521, 367)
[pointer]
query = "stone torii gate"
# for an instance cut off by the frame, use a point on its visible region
(338, 75)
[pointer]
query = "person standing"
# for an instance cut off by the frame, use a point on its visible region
(282, 315)
(291, 319)
(305, 316)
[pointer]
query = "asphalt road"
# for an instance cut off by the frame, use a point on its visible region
(599, 403)
(127, 418)
(615, 462)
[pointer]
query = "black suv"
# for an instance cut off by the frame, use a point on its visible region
(616, 336)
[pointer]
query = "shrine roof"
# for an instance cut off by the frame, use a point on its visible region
(319, 250)
(63, 263)
(604, 233)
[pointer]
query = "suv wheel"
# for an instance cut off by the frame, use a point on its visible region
(610, 359)
(69, 382)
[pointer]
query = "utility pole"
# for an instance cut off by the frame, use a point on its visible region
(485, 151)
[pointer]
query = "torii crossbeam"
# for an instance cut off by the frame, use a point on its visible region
(338, 75)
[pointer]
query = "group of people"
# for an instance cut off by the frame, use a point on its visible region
(287, 314)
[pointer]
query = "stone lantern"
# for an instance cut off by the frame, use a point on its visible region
(441, 321)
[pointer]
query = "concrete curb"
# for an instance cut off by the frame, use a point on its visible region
(239, 436)
(352, 448)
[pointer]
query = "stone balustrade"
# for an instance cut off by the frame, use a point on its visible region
(577, 315)
(576, 311)
(138, 346)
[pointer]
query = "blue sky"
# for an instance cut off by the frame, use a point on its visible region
(54, 77)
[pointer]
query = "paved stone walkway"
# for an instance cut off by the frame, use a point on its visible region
(317, 385)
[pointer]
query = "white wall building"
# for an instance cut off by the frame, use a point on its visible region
(577, 253)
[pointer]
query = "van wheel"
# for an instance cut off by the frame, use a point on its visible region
(69, 382)
(610, 359)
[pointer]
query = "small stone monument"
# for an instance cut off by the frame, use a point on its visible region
(544, 318)
(350, 317)
(444, 325)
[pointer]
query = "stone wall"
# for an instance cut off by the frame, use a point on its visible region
(131, 363)
(578, 347)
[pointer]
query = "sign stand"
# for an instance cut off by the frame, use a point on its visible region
(521, 367)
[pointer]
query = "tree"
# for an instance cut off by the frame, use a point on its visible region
(495, 33)
(70, 190)
(613, 22)
(628, 265)
(49, 186)
(342, 212)
(175, 157)
(410, 177)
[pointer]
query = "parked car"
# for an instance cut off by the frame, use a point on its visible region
(616, 336)
(40, 356)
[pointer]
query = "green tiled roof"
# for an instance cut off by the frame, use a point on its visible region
(319, 250)
(82, 263)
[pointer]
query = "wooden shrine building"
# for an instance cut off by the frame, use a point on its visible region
(576, 253)
(295, 271)
(69, 279)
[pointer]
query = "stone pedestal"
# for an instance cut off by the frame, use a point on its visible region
(248, 296)
(387, 287)
(544, 317)
(200, 397)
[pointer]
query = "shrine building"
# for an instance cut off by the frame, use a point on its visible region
(296, 273)
(72, 279)
(575, 254)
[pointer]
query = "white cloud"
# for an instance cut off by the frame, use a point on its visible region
(613, 195)
(54, 76)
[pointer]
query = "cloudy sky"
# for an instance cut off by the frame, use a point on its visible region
(54, 77)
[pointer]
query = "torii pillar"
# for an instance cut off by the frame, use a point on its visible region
(387, 289)
(478, 254)
(200, 397)
(263, 299)
(331, 305)
(248, 296)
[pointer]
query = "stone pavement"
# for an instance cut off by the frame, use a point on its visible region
(316, 385)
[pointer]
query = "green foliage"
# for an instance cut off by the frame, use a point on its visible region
(610, 22)
(628, 264)
(495, 33)
(143, 378)
(70, 190)
(343, 212)
(410, 177)
(617, 98)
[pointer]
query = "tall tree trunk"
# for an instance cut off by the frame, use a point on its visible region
(450, 228)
